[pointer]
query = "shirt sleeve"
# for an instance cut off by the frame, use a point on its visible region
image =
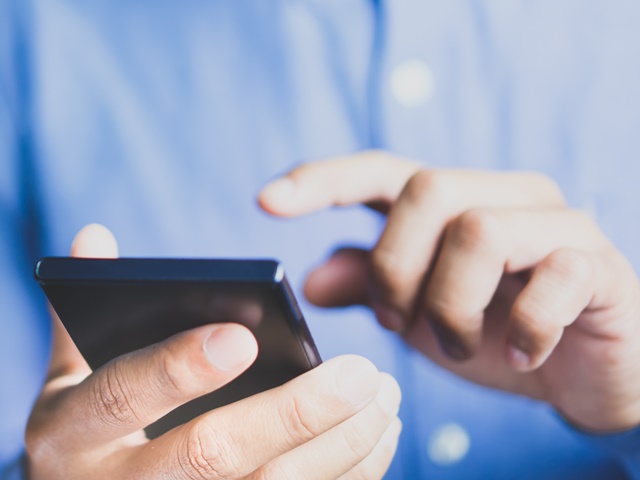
(25, 338)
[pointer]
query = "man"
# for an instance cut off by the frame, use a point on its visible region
(164, 121)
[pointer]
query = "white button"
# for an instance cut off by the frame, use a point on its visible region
(448, 444)
(412, 83)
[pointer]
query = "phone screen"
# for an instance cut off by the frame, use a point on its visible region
(111, 307)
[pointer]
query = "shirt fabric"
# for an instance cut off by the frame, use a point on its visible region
(163, 119)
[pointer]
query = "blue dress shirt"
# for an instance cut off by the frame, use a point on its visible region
(162, 119)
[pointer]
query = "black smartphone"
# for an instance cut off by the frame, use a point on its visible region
(114, 306)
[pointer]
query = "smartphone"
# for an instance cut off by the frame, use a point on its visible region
(114, 306)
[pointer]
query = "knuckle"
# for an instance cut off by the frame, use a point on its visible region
(393, 281)
(618, 262)
(110, 397)
(476, 229)
(361, 472)
(390, 271)
(533, 320)
(206, 455)
(300, 421)
(428, 187)
(547, 185)
(585, 221)
(172, 376)
(271, 471)
(459, 333)
(583, 218)
(359, 442)
(569, 265)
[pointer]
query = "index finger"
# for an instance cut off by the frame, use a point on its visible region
(235, 440)
(367, 177)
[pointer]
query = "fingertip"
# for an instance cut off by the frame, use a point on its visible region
(94, 241)
(358, 379)
(391, 382)
(390, 395)
(398, 425)
(339, 282)
(393, 432)
(276, 197)
(324, 287)
(313, 287)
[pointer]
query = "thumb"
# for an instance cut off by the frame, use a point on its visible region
(93, 241)
(341, 281)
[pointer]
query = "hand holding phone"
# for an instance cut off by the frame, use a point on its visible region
(89, 425)
(114, 306)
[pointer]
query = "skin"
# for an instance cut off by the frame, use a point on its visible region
(336, 421)
(490, 275)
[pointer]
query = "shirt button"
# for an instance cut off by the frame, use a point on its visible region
(448, 444)
(412, 83)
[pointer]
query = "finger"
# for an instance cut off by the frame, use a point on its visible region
(465, 277)
(379, 461)
(343, 447)
(478, 248)
(92, 241)
(235, 440)
(366, 177)
(136, 389)
(341, 281)
(562, 286)
(416, 222)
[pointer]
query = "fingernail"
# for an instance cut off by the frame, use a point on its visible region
(358, 380)
(230, 347)
(450, 343)
(518, 359)
(389, 318)
(279, 190)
